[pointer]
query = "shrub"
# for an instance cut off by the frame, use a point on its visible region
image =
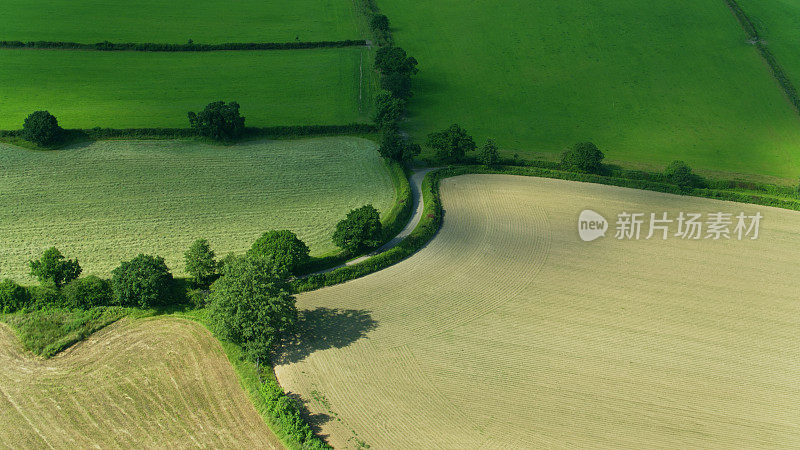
(219, 121)
(144, 281)
(583, 157)
(88, 292)
(250, 305)
(201, 264)
(46, 295)
(13, 297)
(288, 252)
(359, 231)
(452, 144)
(379, 23)
(394, 147)
(389, 109)
(42, 128)
(54, 268)
(678, 172)
(488, 156)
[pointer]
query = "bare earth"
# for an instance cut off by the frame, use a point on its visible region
(159, 383)
(507, 331)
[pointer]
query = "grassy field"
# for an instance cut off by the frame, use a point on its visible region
(112, 200)
(674, 80)
(85, 89)
(508, 331)
(177, 21)
(777, 22)
(146, 383)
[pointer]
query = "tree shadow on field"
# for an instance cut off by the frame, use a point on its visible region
(315, 421)
(324, 328)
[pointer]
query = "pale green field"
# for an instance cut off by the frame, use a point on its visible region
(508, 331)
(86, 89)
(177, 21)
(112, 200)
(648, 83)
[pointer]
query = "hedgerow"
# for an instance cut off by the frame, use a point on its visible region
(188, 47)
(286, 412)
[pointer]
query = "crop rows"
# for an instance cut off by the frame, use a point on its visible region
(112, 200)
(151, 383)
(508, 331)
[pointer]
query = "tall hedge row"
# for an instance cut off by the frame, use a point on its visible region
(188, 47)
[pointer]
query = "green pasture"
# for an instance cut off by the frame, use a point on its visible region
(648, 83)
(111, 200)
(85, 89)
(177, 21)
(778, 23)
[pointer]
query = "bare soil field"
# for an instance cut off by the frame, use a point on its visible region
(508, 331)
(158, 383)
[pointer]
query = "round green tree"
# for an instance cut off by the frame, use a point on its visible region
(250, 305)
(54, 268)
(678, 172)
(201, 263)
(288, 252)
(583, 157)
(42, 128)
(13, 297)
(359, 231)
(144, 281)
(88, 292)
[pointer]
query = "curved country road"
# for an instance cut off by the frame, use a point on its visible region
(416, 197)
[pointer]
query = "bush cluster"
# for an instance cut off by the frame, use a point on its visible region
(286, 411)
(219, 121)
(42, 128)
(188, 47)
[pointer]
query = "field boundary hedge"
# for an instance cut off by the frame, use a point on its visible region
(188, 47)
(289, 131)
(432, 213)
(777, 70)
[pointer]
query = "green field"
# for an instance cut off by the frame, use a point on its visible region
(85, 89)
(177, 21)
(778, 22)
(647, 83)
(112, 200)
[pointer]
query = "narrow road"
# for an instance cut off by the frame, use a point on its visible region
(416, 198)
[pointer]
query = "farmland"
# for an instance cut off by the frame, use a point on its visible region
(508, 331)
(778, 21)
(111, 200)
(205, 21)
(85, 89)
(674, 80)
(147, 383)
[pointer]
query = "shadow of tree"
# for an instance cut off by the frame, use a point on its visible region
(324, 328)
(315, 421)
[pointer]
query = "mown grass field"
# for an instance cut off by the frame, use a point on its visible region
(149, 383)
(778, 22)
(112, 200)
(85, 89)
(508, 331)
(177, 21)
(673, 80)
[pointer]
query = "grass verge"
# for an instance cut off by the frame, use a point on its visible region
(47, 332)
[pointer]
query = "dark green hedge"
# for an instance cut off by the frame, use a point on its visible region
(72, 135)
(286, 412)
(156, 47)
